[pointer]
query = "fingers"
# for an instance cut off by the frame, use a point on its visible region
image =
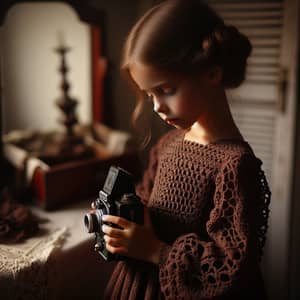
(111, 231)
(118, 240)
(112, 242)
(116, 220)
(116, 250)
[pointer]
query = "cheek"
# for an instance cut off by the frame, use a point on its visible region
(187, 107)
(179, 104)
(189, 99)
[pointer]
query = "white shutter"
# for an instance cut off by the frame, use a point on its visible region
(253, 104)
(266, 120)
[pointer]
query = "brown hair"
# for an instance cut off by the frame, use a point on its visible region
(186, 36)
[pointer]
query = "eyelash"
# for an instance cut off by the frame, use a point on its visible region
(167, 91)
(161, 92)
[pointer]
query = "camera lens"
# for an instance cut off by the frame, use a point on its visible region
(91, 222)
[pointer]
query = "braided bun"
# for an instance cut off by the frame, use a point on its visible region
(228, 48)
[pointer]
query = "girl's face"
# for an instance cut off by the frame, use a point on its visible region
(179, 101)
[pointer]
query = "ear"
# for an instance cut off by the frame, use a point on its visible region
(215, 75)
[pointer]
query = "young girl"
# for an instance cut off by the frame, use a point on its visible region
(205, 195)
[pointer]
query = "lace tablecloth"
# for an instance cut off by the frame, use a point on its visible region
(58, 264)
(25, 268)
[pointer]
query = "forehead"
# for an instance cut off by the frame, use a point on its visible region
(147, 77)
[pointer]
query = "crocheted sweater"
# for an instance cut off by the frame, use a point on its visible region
(209, 204)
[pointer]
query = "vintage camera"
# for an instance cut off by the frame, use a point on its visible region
(116, 198)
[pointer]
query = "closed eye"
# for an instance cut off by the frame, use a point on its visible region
(159, 91)
(165, 91)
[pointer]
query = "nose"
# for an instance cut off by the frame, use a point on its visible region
(159, 106)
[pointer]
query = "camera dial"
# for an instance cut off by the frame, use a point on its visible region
(93, 220)
(90, 222)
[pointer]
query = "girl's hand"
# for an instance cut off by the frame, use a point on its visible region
(134, 240)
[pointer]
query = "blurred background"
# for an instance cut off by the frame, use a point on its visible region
(266, 106)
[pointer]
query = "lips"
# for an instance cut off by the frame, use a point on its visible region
(171, 121)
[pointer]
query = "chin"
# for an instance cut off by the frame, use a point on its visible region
(178, 123)
(180, 126)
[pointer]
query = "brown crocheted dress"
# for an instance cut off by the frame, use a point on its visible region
(209, 204)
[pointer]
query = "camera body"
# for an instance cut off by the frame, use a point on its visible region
(117, 198)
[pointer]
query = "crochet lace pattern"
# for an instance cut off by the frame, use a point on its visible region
(26, 268)
(209, 204)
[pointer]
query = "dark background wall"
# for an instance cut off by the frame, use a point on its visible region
(120, 17)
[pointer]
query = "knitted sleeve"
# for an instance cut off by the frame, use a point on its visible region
(193, 268)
